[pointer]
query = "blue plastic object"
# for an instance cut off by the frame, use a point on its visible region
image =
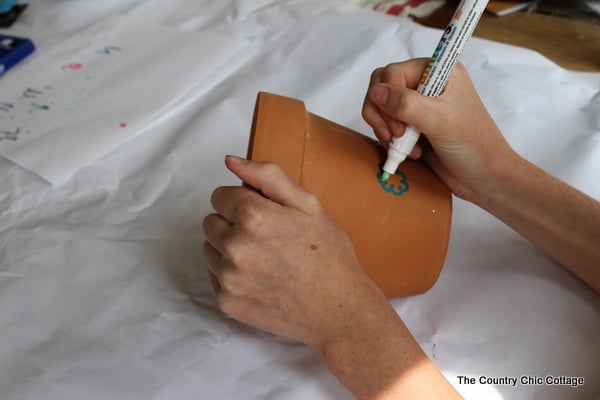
(6, 5)
(13, 50)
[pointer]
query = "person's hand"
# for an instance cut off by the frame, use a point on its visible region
(462, 143)
(277, 260)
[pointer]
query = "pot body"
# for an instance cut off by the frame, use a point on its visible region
(400, 229)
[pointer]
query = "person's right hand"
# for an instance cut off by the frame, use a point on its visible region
(463, 145)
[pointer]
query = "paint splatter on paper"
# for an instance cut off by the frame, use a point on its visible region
(73, 66)
(109, 50)
(91, 93)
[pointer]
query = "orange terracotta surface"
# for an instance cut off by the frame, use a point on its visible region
(401, 241)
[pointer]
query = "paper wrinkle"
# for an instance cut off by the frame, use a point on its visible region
(591, 111)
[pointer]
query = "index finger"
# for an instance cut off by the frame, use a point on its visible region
(405, 73)
(273, 183)
(371, 113)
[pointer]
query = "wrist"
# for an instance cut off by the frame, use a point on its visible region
(502, 174)
(359, 314)
(371, 354)
(376, 357)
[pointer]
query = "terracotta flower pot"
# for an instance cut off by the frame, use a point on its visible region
(399, 229)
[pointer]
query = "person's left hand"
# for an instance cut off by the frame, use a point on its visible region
(279, 262)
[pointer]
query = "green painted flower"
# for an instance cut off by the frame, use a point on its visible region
(396, 190)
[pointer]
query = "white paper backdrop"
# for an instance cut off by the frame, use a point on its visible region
(103, 288)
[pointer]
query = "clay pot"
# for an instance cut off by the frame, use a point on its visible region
(400, 230)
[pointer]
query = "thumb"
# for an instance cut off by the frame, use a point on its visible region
(269, 179)
(408, 106)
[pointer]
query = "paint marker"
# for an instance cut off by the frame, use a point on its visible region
(436, 74)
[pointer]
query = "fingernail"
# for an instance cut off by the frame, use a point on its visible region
(235, 159)
(380, 95)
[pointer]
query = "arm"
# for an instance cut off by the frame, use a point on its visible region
(468, 152)
(554, 216)
(278, 262)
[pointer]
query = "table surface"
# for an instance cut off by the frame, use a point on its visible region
(572, 44)
(104, 292)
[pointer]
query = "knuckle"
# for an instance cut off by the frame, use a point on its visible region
(390, 66)
(221, 194)
(389, 72)
(207, 223)
(232, 250)
(404, 105)
(366, 113)
(312, 202)
(250, 216)
(460, 71)
(269, 168)
(376, 74)
(206, 249)
(226, 303)
(229, 279)
(460, 67)
(370, 113)
(216, 194)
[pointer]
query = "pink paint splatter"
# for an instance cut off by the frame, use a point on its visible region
(123, 125)
(73, 66)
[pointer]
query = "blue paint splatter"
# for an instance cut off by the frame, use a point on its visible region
(396, 190)
(109, 49)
